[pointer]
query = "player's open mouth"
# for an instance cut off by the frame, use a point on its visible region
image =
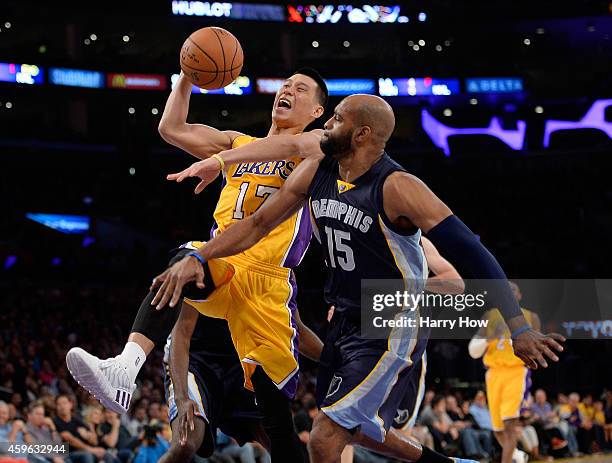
(284, 103)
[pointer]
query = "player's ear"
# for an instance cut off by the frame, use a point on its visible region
(362, 133)
(318, 112)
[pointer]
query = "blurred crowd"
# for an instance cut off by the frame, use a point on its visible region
(40, 403)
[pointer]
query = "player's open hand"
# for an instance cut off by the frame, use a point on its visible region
(186, 411)
(532, 347)
(172, 281)
(206, 170)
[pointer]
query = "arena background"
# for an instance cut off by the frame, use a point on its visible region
(77, 141)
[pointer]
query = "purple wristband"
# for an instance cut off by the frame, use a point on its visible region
(519, 331)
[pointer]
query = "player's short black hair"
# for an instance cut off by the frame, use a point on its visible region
(314, 75)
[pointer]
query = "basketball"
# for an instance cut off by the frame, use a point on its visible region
(211, 58)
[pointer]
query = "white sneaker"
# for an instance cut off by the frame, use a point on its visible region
(107, 380)
(518, 456)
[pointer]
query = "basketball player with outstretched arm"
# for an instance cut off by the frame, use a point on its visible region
(371, 230)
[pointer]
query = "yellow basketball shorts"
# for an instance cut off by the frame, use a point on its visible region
(507, 390)
(259, 304)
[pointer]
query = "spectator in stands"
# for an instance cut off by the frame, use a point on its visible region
(446, 437)
(582, 424)
(113, 436)
(41, 430)
(427, 398)
(154, 411)
(11, 431)
(136, 424)
(152, 444)
(303, 422)
(479, 410)
(82, 441)
(599, 420)
(228, 447)
(476, 443)
(551, 429)
(164, 414)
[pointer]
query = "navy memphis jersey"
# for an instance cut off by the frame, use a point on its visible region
(358, 239)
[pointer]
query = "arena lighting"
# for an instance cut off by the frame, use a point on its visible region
(243, 11)
(137, 81)
(332, 14)
(420, 86)
(69, 224)
(76, 78)
(241, 86)
(593, 119)
(10, 261)
(29, 74)
(439, 132)
(494, 84)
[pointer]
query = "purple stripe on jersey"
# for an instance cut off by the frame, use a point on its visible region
(290, 388)
(528, 383)
(213, 229)
(302, 240)
(215, 224)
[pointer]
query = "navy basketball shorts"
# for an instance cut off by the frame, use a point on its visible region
(363, 382)
(409, 406)
(221, 400)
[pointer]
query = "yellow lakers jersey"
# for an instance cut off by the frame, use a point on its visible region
(499, 350)
(246, 186)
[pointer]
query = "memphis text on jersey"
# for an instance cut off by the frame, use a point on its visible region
(334, 209)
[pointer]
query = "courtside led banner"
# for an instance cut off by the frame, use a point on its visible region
(230, 10)
(137, 81)
(21, 73)
(241, 86)
(326, 13)
(76, 78)
(331, 13)
(341, 87)
(494, 85)
(422, 86)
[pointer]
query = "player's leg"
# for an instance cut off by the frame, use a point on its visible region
(277, 419)
(327, 440)
(112, 380)
(397, 445)
(508, 439)
(180, 453)
(511, 389)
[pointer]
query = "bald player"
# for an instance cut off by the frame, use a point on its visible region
(368, 213)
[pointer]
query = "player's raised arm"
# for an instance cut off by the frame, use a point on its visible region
(239, 237)
(271, 148)
(199, 140)
(408, 200)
